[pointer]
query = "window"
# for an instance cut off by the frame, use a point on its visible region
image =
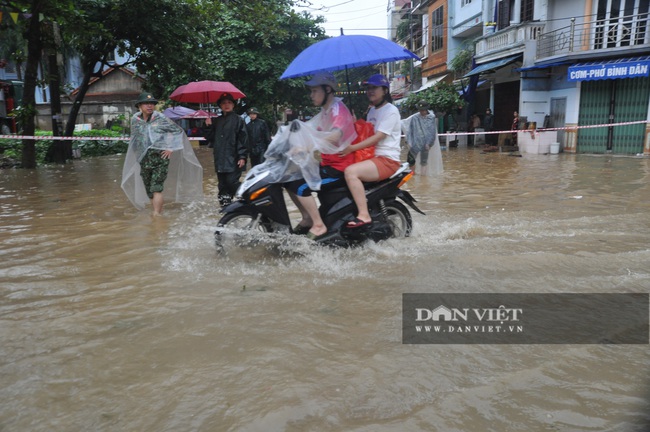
(507, 12)
(425, 35)
(527, 8)
(465, 2)
(621, 23)
(503, 14)
(437, 29)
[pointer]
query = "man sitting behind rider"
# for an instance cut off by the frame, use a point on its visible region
(334, 117)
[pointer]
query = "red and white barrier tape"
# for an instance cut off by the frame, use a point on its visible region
(67, 138)
(64, 138)
(547, 129)
(126, 138)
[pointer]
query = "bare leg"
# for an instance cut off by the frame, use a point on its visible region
(311, 208)
(306, 218)
(354, 176)
(157, 202)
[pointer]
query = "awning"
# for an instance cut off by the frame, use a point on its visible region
(496, 64)
(541, 66)
(431, 82)
(632, 67)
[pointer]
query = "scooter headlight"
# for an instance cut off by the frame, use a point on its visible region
(257, 193)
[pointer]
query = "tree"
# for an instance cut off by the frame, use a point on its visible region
(156, 35)
(252, 46)
(12, 45)
(41, 12)
(171, 42)
(248, 43)
(443, 98)
(33, 35)
(59, 151)
(462, 62)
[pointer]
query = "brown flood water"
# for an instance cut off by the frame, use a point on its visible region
(113, 321)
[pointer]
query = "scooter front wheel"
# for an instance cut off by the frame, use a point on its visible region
(244, 221)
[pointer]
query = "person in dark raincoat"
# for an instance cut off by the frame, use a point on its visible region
(258, 137)
(228, 138)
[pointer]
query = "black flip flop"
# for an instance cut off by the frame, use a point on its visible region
(301, 229)
(314, 237)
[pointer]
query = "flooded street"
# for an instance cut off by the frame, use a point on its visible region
(113, 321)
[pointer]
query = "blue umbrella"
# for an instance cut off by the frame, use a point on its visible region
(343, 52)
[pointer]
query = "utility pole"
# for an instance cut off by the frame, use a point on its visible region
(411, 43)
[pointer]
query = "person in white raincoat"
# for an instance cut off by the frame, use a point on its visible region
(160, 162)
(422, 137)
(335, 125)
(290, 158)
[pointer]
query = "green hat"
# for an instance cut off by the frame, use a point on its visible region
(253, 111)
(145, 98)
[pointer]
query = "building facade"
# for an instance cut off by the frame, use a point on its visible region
(581, 66)
(108, 98)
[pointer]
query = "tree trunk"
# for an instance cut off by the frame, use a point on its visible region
(59, 151)
(34, 47)
(76, 106)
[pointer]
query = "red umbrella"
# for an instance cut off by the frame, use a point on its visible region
(205, 92)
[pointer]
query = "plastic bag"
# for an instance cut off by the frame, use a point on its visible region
(364, 130)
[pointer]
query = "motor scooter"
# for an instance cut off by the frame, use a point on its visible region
(260, 205)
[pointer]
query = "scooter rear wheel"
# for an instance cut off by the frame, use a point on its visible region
(399, 218)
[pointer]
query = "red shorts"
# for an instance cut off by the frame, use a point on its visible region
(385, 166)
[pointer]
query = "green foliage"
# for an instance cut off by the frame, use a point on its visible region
(403, 30)
(247, 43)
(443, 98)
(251, 47)
(13, 46)
(12, 148)
(172, 42)
(24, 113)
(462, 62)
(118, 124)
(92, 147)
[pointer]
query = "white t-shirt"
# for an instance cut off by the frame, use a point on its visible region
(387, 120)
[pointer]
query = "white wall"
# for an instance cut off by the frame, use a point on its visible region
(560, 13)
(465, 15)
(461, 19)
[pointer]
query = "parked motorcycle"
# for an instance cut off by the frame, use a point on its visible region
(260, 206)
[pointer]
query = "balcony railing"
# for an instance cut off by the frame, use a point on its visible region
(509, 37)
(604, 34)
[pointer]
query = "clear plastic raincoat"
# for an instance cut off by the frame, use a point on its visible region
(421, 134)
(291, 154)
(184, 181)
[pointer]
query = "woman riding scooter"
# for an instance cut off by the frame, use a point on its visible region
(385, 118)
